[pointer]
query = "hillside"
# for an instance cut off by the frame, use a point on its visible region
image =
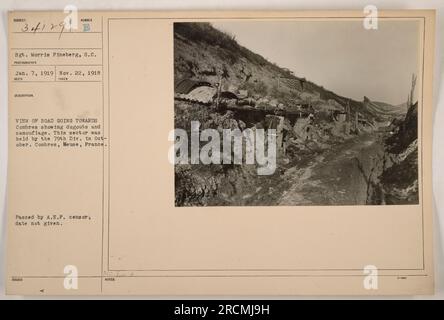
(205, 53)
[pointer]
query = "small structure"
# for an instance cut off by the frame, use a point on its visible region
(228, 95)
(202, 94)
(296, 84)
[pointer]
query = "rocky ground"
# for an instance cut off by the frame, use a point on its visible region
(357, 170)
(327, 160)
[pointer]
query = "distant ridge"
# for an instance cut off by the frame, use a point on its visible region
(385, 110)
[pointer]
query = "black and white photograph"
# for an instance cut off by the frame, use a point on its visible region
(237, 153)
(297, 112)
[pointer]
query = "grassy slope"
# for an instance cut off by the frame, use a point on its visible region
(203, 52)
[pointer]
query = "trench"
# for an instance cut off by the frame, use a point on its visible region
(346, 174)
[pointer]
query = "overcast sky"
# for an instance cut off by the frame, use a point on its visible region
(342, 56)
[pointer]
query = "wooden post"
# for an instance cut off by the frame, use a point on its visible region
(218, 92)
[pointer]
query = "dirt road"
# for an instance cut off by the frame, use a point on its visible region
(337, 177)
